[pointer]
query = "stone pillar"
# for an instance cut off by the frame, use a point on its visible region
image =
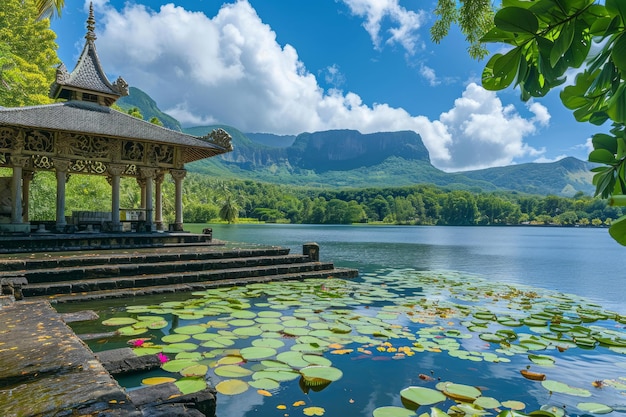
(27, 177)
(115, 172)
(142, 187)
(18, 163)
(61, 167)
(158, 201)
(312, 250)
(178, 175)
(148, 175)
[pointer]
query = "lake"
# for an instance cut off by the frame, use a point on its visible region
(584, 261)
(435, 310)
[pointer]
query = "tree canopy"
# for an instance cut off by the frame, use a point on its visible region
(547, 38)
(27, 54)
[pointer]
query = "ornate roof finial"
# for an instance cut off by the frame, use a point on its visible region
(91, 25)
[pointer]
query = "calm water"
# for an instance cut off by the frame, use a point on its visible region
(587, 262)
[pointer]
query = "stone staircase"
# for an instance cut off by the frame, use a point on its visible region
(90, 275)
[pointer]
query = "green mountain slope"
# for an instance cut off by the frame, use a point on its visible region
(347, 158)
(148, 108)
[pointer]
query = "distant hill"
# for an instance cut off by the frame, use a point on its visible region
(347, 158)
(148, 108)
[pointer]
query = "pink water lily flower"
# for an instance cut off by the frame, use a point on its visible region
(138, 342)
(162, 357)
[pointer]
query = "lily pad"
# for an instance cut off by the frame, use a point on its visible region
(556, 386)
(232, 371)
(190, 385)
(119, 321)
(421, 396)
(392, 411)
(157, 380)
(231, 387)
(318, 375)
(256, 353)
(595, 408)
(191, 329)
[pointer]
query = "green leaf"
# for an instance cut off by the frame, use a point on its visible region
(392, 411)
(602, 156)
(604, 141)
(516, 20)
(617, 7)
(562, 43)
(617, 104)
(422, 396)
(595, 408)
(618, 230)
(231, 387)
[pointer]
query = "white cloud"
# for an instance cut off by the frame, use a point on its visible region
(430, 75)
(404, 23)
(229, 69)
(333, 76)
(543, 159)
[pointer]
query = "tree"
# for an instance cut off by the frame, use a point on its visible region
(229, 210)
(546, 38)
(27, 55)
(46, 8)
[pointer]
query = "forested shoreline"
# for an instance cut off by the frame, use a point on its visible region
(208, 199)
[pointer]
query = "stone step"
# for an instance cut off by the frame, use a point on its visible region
(195, 286)
(154, 255)
(34, 276)
(168, 279)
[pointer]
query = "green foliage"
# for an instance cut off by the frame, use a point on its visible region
(46, 8)
(549, 37)
(474, 18)
(148, 107)
(27, 55)
(206, 199)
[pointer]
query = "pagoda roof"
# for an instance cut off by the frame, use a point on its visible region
(93, 119)
(88, 75)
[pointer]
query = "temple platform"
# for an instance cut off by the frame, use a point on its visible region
(87, 240)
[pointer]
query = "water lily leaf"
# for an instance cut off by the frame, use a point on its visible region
(256, 353)
(175, 338)
(418, 396)
(317, 360)
(157, 380)
(158, 324)
(487, 402)
(248, 331)
(276, 375)
(119, 321)
(231, 387)
(243, 314)
(270, 343)
(595, 408)
(194, 356)
(459, 392)
(313, 411)
(130, 331)
(232, 371)
(318, 375)
(180, 347)
(555, 386)
(190, 385)
(195, 370)
(150, 350)
(543, 360)
(514, 405)
(177, 365)
(265, 383)
(491, 337)
(392, 411)
(191, 329)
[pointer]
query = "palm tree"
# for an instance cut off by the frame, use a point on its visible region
(229, 210)
(47, 8)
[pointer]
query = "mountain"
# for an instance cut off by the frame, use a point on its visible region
(348, 158)
(148, 108)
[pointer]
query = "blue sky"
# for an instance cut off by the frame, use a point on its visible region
(288, 67)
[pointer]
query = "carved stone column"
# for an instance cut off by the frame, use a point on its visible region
(61, 167)
(158, 201)
(148, 174)
(115, 172)
(27, 177)
(142, 187)
(178, 175)
(18, 163)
